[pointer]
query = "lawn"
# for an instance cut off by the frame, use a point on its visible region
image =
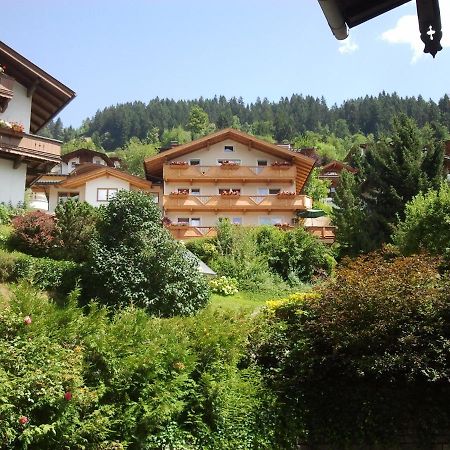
(244, 300)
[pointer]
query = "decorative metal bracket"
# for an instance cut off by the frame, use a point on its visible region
(429, 17)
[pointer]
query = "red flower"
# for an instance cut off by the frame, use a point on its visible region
(23, 420)
(68, 396)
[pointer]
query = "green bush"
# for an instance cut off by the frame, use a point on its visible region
(427, 223)
(44, 273)
(224, 286)
(134, 381)
(366, 361)
(296, 255)
(75, 229)
(135, 261)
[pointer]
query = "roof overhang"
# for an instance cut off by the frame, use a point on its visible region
(49, 96)
(344, 14)
(154, 166)
(93, 171)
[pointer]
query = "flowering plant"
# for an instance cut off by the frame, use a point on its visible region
(281, 164)
(180, 192)
(14, 126)
(230, 193)
(2, 69)
(178, 163)
(286, 194)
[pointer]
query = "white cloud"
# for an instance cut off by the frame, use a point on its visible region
(406, 31)
(348, 46)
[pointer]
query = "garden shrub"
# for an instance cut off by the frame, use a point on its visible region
(367, 360)
(203, 248)
(295, 255)
(75, 229)
(34, 233)
(135, 260)
(44, 273)
(224, 286)
(95, 380)
(427, 223)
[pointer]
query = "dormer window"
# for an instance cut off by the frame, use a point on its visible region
(228, 148)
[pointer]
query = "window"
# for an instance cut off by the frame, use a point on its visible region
(236, 220)
(64, 196)
(98, 161)
(228, 148)
(268, 191)
(225, 190)
(261, 162)
(195, 221)
(268, 220)
(194, 162)
(155, 197)
(183, 190)
(106, 194)
(195, 191)
(183, 220)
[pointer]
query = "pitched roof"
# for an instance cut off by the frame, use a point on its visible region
(49, 95)
(154, 165)
(88, 172)
(337, 166)
(87, 151)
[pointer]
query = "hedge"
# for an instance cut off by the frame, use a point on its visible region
(44, 273)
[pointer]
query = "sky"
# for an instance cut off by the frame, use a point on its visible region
(114, 51)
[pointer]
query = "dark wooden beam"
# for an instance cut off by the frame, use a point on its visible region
(32, 88)
(17, 162)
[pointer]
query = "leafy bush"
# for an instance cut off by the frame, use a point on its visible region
(427, 223)
(34, 233)
(203, 248)
(295, 255)
(44, 273)
(135, 260)
(224, 286)
(366, 361)
(75, 229)
(92, 380)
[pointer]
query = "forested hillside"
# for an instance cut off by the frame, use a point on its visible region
(289, 118)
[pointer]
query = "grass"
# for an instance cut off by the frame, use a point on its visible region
(242, 301)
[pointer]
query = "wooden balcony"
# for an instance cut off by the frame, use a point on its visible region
(241, 174)
(29, 145)
(326, 234)
(236, 203)
(185, 232)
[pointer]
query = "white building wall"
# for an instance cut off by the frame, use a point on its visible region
(247, 157)
(105, 183)
(19, 108)
(12, 182)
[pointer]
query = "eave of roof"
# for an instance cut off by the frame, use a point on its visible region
(102, 155)
(93, 171)
(49, 96)
(154, 165)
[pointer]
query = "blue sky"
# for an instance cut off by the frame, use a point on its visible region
(115, 51)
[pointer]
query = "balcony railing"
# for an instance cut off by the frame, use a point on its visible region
(241, 173)
(236, 203)
(185, 232)
(29, 144)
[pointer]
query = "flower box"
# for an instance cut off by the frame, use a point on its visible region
(179, 193)
(281, 165)
(229, 165)
(285, 194)
(179, 164)
(230, 194)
